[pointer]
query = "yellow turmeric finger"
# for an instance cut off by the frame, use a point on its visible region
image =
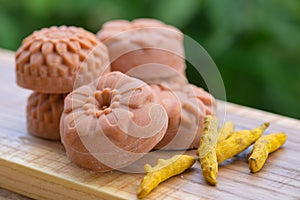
(263, 147)
(238, 142)
(209, 166)
(163, 170)
(226, 131)
(207, 149)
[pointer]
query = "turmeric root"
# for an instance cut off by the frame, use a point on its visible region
(163, 170)
(262, 148)
(226, 131)
(207, 149)
(238, 142)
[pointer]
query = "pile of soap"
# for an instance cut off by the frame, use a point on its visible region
(111, 97)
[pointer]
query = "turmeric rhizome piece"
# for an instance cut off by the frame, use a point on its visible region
(207, 149)
(263, 147)
(163, 170)
(238, 142)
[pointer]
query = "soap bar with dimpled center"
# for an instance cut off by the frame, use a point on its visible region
(111, 122)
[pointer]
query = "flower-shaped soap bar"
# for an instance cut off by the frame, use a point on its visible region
(111, 122)
(143, 42)
(43, 114)
(186, 110)
(50, 60)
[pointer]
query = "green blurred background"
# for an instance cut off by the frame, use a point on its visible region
(255, 44)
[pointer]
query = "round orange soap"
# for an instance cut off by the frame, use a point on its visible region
(143, 42)
(43, 114)
(50, 60)
(186, 109)
(111, 123)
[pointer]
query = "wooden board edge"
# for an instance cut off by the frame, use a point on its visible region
(22, 179)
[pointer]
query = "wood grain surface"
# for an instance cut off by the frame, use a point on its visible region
(40, 169)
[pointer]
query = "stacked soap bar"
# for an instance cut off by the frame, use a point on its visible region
(52, 62)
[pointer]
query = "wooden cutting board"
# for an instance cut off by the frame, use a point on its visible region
(40, 169)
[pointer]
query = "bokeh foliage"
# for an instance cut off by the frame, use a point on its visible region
(255, 44)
